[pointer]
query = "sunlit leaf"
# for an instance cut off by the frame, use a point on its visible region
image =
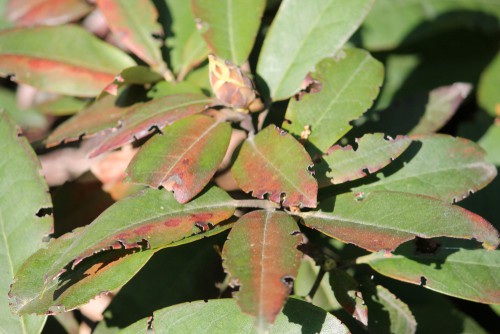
(488, 87)
(184, 158)
(440, 166)
(274, 163)
(135, 23)
(491, 143)
(142, 118)
(62, 59)
(23, 222)
(196, 317)
(383, 220)
(46, 12)
(349, 84)
(373, 152)
(302, 34)
(229, 27)
(448, 268)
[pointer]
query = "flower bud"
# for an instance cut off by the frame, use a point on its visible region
(230, 85)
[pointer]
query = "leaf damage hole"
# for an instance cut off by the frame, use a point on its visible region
(288, 281)
(44, 212)
(150, 324)
(294, 233)
(423, 281)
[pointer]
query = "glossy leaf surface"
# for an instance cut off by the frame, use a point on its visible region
(101, 115)
(383, 220)
(274, 163)
(141, 119)
(488, 87)
(61, 59)
(301, 35)
(229, 27)
(24, 195)
(152, 217)
(373, 152)
(188, 49)
(184, 158)
(440, 166)
(349, 84)
(134, 22)
(261, 256)
(466, 273)
(199, 316)
(46, 12)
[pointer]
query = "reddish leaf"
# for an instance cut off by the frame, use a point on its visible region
(372, 154)
(46, 12)
(61, 59)
(143, 117)
(261, 256)
(134, 22)
(274, 163)
(347, 293)
(383, 220)
(184, 158)
(153, 218)
(103, 114)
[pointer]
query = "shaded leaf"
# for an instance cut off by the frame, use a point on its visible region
(442, 105)
(153, 219)
(142, 118)
(489, 82)
(274, 163)
(349, 84)
(490, 142)
(229, 27)
(383, 220)
(393, 24)
(184, 158)
(440, 166)
(63, 106)
(46, 12)
(197, 267)
(101, 273)
(301, 35)
(451, 269)
(198, 317)
(347, 292)
(62, 59)
(261, 256)
(134, 22)
(101, 115)
(373, 153)
(30, 118)
(22, 228)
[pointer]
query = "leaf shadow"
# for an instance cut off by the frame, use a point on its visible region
(311, 322)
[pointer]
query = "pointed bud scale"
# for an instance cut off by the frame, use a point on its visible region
(231, 85)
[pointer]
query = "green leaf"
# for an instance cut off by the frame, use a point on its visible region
(373, 152)
(135, 24)
(188, 49)
(347, 292)
(381, 301)
(383, 220)
(223, 316)
(62, 59)
(26, 118)
(391, 24)
(229, 27)
(302, 34)
(153, 217)
(448, 268)
(184, 158)
(349, 83)
(261, 256)
(490, 142)
(63, 106)
(274, 163)
(142, 118)
(22, 226)
(442, 104)
(440, 166)
(100, 274)
(489, 82)
(164, 88)
(197, 267)
(101, 115)
(45, 12)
